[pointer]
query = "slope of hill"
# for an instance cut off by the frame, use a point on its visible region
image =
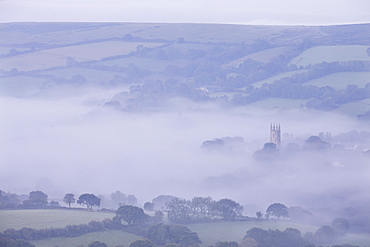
(196, 61)
(319, 54)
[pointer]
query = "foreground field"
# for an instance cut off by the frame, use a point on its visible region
(111, 238)
(45, 218)
(209, 233)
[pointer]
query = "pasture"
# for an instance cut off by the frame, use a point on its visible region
(91, 75)
(151, 64)
(46, 218)
(111, 238)
(271, 79)
(319, 54)
(33, 61)
(209, 233)
(99, 50)
(20, 86)
(341, 80)
(263, 56)
(354, 108)
(51, 58)
(278, 103)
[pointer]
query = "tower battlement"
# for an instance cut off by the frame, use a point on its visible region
(275, 135)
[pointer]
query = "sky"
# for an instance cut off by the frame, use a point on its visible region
(265, 12)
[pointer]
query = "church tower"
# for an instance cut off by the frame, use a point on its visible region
(275, 135)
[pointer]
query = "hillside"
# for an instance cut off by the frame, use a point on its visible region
(239, 64)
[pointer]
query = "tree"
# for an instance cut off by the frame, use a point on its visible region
(324, 235)
(162, 234)
(228, 209)
(97, 244)
(69, 199)
(202, 207)
(131, 214)
(340, 226)
(160, 201)
(227, 244)
(118, 197)
(148, 206)
(37, 199)
(20, 243)
(276, 238)
(259, 215)
(142, 243)
(179, 210)
(278, 210)
(89, 200)
(131, 200)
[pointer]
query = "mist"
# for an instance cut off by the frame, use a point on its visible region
(71, 143)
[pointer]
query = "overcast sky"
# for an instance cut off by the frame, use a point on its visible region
(285, 12)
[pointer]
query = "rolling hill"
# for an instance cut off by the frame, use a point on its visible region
(196, 61)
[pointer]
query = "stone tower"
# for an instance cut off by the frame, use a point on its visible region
(275, 135)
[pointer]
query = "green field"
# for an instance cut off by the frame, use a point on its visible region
(57, 57)
(354, 108)
(154, 65)
(20, 86)
(277, 77)
(33, 61)
(111, 238)
(97, 51)
(45, 218)
(319, 54)
(263, 56)
(278, 103)
(91, 75)
(341, 80)
(209, 233)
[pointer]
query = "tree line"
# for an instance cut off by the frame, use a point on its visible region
(201, 209)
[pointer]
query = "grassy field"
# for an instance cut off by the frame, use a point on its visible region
(151, 64)
(277, 77)
(57, 57)
(45, 218)
(278, 103)
(209, 233)
(91, 75)
(262, 56)
(354, 108)
(341, 80)
(319, 54)
(111, 238)
(33, 61)
(97, 51)
(20, 86)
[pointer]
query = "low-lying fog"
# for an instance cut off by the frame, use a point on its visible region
(72, 144)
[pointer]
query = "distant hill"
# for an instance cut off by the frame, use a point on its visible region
(228, 64)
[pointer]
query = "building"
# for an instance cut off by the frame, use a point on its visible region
(275, 135)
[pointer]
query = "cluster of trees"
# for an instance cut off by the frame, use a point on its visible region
(274, 238)
(8, 242)
(208, 74)
(35, 199)
(163, 234)
(38, 199)
(202, 209)
(323, 98)
(327, 234)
